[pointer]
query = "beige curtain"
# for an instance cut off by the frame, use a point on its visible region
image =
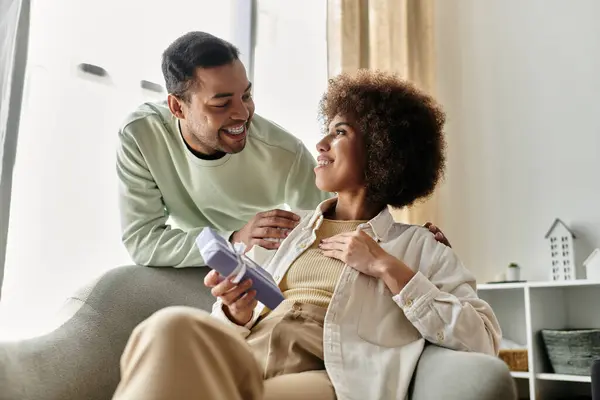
(391, 35)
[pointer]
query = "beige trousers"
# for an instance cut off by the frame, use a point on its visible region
(182, 353)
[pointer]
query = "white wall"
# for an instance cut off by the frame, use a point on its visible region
(520, 81)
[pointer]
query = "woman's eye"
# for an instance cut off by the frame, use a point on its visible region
(221, 105)
(247, 97)
(340, 132)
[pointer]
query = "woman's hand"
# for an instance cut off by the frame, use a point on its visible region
(238, 301)
(361, 252)
(356, 249)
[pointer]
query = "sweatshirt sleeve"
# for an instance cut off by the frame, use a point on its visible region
(145, 233)
(442, 303)
(301, 192)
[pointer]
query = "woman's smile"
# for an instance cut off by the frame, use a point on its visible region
(323, 161)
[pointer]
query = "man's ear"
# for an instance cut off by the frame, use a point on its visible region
(177, 106)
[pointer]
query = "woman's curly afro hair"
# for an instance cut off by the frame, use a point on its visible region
(403, 130)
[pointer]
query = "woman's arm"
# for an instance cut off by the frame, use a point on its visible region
(438, 296)
(441, 302)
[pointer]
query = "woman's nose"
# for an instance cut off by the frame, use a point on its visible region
(323, 145)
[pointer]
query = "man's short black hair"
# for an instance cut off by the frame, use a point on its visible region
(189, 52)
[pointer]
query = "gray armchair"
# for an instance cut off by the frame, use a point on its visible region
(80, 359)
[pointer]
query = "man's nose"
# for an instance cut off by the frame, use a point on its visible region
(241, 112)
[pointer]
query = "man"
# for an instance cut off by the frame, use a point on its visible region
(204, 158)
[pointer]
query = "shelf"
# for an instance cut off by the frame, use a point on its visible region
(563, 378)
(519, 375)
(500, 286)
(523, 309)
(540, 284)
(576, 282)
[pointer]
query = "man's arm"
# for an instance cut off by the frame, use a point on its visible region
(145, 233)
(301, 192)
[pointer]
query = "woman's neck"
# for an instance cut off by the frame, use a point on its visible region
(353, 208)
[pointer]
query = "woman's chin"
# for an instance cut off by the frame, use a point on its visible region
(324, 187)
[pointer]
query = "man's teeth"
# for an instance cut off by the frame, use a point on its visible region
(236, 131)
(322, 163)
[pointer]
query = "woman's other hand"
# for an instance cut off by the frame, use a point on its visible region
(361, 252)
(238, 300)
(358, 250)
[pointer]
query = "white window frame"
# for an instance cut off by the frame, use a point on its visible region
(245, 33)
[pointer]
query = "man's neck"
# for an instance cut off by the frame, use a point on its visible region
(201, 155)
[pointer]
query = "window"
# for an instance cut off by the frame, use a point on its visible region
(290, 67)
(64, 226)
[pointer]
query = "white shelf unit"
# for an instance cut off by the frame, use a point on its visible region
(524, 309)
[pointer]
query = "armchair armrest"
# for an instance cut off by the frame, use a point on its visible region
(453, 375)
(80, 358)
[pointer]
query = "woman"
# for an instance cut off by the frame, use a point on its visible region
(363, 294)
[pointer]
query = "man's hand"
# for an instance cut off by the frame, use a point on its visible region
(438, 234)
(266, 229)
(238, 301)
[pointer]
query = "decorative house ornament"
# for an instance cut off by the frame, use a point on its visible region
(592, 266)
(561, 244)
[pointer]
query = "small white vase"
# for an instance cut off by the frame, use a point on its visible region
(513, 274)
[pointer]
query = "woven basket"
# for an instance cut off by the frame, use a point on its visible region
(572, 351)
(515, 359)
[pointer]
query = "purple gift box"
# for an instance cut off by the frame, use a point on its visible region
(221, 256)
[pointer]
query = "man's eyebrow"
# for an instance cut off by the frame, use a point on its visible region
(221, 95)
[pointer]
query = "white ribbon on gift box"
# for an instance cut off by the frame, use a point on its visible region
(243, 262)
(238, 250)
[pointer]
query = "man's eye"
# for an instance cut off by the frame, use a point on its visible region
(221, 105)
(340, 132)
(247, 97)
